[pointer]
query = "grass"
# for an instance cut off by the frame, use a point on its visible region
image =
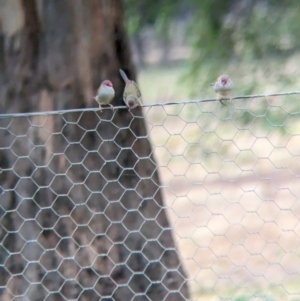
(175, 82)
(161, 85)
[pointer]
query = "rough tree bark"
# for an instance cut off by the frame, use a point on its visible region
(81, 213)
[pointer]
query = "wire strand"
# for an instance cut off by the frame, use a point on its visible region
(59, 112)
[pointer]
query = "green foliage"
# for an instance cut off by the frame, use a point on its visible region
(220, 32)
(270, 29)
(206, 26)
(139, 14)
(223, 29)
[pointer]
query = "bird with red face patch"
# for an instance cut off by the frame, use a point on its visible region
(132, 95)
(105, 94)
(223, 87)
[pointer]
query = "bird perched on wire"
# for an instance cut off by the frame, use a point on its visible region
(132, 95)
(223, 87)
(105, 94)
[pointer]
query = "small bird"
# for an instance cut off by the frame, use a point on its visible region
(223, 86)
(105, 94)
(132, 95)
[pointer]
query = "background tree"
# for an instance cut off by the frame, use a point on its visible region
(81, 209)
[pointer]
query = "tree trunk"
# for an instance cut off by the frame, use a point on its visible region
(81, 210)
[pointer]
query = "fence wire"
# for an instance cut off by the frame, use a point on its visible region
(229, 176)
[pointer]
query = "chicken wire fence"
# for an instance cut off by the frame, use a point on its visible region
(229, 177)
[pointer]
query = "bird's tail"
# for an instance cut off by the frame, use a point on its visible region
(124, 76)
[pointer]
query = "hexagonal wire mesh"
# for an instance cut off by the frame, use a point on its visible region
(229, 177)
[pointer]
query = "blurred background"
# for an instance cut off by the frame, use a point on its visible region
(180, 47)
(230, 172)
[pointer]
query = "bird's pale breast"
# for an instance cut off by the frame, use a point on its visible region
(105, 95)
